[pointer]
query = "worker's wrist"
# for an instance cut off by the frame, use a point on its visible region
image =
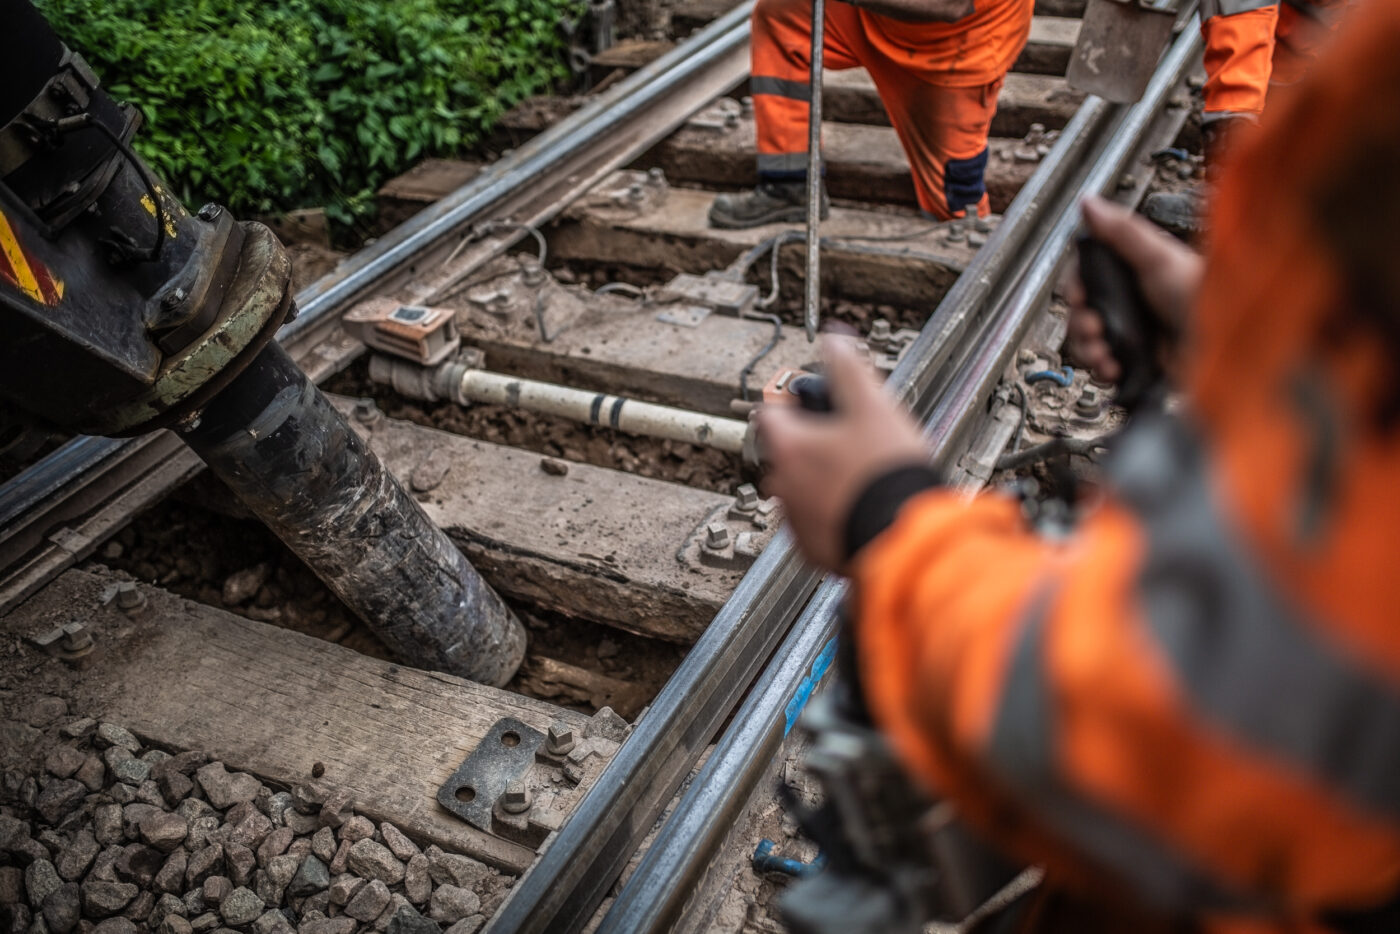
(874, 510)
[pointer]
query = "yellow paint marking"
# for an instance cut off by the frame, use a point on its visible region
(149, 205)
(24, 276)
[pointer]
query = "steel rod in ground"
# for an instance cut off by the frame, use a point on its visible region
(811, 306)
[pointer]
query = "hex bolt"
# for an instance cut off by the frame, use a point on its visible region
(516, 798)
(366, 412)
(1127, 180)
(560, 739)
(209, 212)
(129, 598)
(657, 175)
(1088, 400)
(76, 638)
(532, 274)
(635, 191)
(880, 330)
(716, 535)
(746, 498)
(175, 298)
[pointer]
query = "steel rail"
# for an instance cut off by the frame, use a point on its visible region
(526, 188)
(670, 872)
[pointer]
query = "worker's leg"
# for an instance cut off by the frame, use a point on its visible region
(944, 133)
(1239, 37)
(780, 82)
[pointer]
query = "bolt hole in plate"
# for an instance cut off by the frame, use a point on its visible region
(504, 755)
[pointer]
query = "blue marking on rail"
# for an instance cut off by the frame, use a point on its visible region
(799, 699)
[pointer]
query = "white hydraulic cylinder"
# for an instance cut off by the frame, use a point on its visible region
(466, 385)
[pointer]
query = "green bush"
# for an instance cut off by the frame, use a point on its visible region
(272, 106)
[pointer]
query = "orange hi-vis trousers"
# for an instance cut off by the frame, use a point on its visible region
(1253, 44)
(938, 82)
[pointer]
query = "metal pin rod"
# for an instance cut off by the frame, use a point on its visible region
(812, 303)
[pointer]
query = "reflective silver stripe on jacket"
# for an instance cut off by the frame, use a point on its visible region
(1022, 753)
(1211, 8)
(1247, 657)
(781, 87)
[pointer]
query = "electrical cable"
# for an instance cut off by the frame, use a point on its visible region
(767, 349)
(85, 120)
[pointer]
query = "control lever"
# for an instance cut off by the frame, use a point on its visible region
(1134, 333)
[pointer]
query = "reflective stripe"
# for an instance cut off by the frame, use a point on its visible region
(1211, 8)
(1023, 756)
(1246, 657)
(784, 163)
(781, 87)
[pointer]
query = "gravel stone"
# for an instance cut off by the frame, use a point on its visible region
(174, 924)
(166, 906)
(62, 908)
(204, 863)
(374, 861)
(311, 876)
(341, 859)
(171, 878)
(452, 869)
(78, 728)
(58, 798)
(224, 788)
(202, 830)
(192, 809)
(104, 868)
(275, 845)
(164, 831)
(194, 902)
(148, 792)
(216, 889)
(40, 881)
(282, 869)
(132, 816)
(300, 823)
(205, 922)
(155, 757)
(11, 885)
(301, 846)
(76, 858)
(308, 797)
(240, 907)
(338, 809)
(343, 888)
(341, 925)
(92, 773)
(240, 862)
(107, 824)
(122, 794)
(183, 762)
(451, 904)
(242, 586)
(138, 864)
(357, 828)
(402, 847)
(13, 832)
(272, 922)
(275, 807)
(250, 829)
(125, 767)
(270, 892)
(101, 899)
(140, 908)
(369, 902)
(45, 710)
(323, 844)
(319, 903)
(109, 734)
(63, 761)
(408, 921)
(417, 881)
(467, 925)
(115, 926)
(174, 786)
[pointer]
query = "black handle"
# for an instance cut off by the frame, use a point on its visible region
(812, 392)
(1133, 332)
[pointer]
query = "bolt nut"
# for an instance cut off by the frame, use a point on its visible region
(559, 740)
(516, 798)
(209, 212)
(174, 298)
(656, 175)
(1127, 180)
(532, 274)
(716, 535)
(129, 598)
(880, 330)
(366, 412)
(746, 498)
(76, 638)
(635, 191)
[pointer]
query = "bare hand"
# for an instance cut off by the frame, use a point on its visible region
(1169, 274)
(821, 463)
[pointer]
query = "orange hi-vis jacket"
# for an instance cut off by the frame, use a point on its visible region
(1253, 44)
(938, 82)
(1196, 698)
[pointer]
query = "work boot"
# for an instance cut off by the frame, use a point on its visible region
(1183, 212)
(769, 203)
